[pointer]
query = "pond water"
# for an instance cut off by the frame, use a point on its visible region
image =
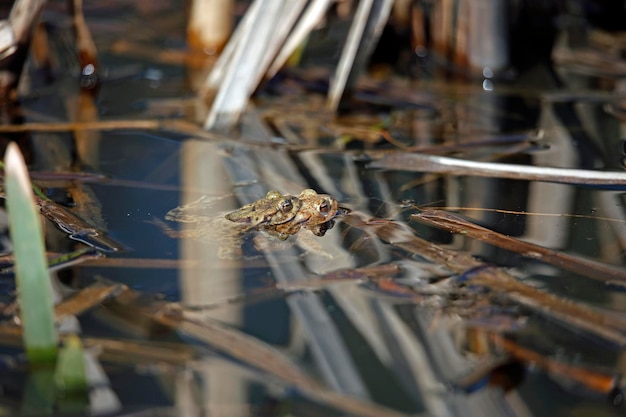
(361, 311)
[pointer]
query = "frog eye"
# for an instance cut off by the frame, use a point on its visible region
(324, 207)
(271, 195)
(308, 193)
(285, 205)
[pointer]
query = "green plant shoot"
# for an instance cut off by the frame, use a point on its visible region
(34, 289)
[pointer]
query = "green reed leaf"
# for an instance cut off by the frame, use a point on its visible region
(31, 269)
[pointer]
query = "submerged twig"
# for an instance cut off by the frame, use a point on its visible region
(456, 224)
(75, 227)
(86, 299)
(142, 263)
(594, 321)
(251, 352)
(356, 275)
(178, 126)
(602, 382)
(56, 261)
(136, 352)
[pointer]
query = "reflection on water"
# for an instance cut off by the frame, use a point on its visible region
(135, 194)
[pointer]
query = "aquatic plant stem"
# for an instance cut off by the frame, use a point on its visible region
(455, 166)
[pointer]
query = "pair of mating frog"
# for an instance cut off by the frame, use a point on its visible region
(277, 215)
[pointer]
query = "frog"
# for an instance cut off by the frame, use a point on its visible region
(229, 228)
(316, 214)
(274, 208)
(276, 214)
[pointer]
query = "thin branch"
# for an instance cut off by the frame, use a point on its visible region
(600, 323)
(455, 166)
(456, 224)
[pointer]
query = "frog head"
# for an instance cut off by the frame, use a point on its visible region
(274, 209)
